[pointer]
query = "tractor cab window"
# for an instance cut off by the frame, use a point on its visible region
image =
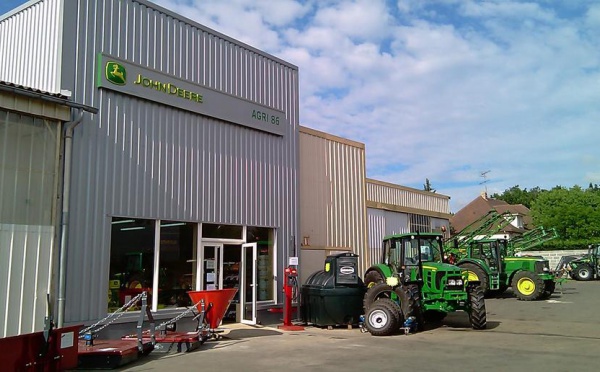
(411, 253)
(422, 249)
(430, 250)
(392, 249)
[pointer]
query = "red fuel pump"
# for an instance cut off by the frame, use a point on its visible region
(290, 281)
(290, 290)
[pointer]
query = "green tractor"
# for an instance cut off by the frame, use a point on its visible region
(487, 261)
(586, 267)
(413, 282)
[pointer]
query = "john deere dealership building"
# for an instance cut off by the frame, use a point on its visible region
(141, 151)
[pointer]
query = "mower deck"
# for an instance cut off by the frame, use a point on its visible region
(171, 341)
(110, 354)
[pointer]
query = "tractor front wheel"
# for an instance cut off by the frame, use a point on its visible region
(477, 314)
(549, 286)
(376, 292)
(583, 272)
(475, 273)
(381, 319)
(527, 286)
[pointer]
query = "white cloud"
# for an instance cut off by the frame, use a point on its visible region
(441, 89)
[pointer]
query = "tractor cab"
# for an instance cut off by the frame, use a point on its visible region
(490, 251)
(408, 253)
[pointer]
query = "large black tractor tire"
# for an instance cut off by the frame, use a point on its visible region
(583, 272)
(410, 301)
(380, 290)
(477, 273)
(527, 286)
(380, 320)
(394, 308)
(372, 278)
(549, 286)
(477, 313)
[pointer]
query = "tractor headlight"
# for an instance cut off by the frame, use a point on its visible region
(455, 282)
(392, 281)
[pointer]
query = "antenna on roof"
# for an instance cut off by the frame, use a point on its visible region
(485, 180)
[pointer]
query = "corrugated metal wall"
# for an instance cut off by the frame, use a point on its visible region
(385, 193)
(139, 158)
(30, 46)
(389, 208)
(28, 181)
(332, 193)
(381, 224)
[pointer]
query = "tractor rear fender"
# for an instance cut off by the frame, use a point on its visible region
(382, 269)
(476, 261)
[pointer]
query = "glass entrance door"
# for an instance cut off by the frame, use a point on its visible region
(210, 267)
(248, 284)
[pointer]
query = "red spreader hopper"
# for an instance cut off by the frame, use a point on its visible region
(213, 304)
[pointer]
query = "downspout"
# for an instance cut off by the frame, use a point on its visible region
(64, 221)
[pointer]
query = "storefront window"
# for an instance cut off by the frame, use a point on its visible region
(176, 268)
(131, 260)
(222, 231)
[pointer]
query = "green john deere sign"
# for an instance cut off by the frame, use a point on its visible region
(116, 73)
(166, 89)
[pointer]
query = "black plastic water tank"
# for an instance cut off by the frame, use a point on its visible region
(334, 296)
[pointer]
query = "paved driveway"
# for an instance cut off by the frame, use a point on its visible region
(559, 334)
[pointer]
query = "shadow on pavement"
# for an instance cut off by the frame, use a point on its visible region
(240, 334)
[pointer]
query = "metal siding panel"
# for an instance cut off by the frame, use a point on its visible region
(27, 213)
(396, 223)
(407, 198)
(376, 226)
(14, 300)
(253, 183)
(30, 45)
(332, 194)
(26, 253)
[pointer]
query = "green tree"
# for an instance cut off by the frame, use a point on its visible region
(516, 195)
(427, 186)
(574, 213)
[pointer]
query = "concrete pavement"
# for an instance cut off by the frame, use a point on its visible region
(559, 334)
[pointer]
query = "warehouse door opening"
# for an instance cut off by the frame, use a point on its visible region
(248, 283)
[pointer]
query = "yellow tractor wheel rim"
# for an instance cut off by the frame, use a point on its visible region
(472, 276)
(526, 286)
(372, 284)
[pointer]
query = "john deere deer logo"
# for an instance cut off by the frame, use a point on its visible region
(115, 73)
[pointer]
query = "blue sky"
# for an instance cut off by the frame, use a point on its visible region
(442, 89)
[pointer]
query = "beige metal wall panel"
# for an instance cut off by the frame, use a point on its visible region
(389, 196)
(25, 273)
(31, 44)
(28, 184)
(34, 107)
(332, 194)
(144, 159)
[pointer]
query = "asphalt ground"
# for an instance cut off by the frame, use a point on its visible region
(558, 334)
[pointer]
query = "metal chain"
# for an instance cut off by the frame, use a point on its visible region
(120, 310)
(189, 310)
